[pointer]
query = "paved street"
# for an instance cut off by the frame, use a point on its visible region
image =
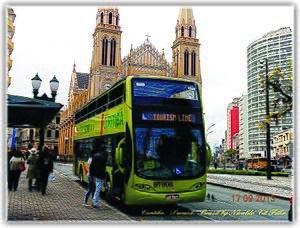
(62, 202)
(279, 186)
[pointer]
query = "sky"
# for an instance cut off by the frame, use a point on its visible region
(48, 40)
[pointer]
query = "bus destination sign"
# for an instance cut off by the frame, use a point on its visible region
(172, 117)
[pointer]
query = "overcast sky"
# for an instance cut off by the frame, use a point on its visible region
(48, 40)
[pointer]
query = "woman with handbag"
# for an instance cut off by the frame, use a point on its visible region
(32, 168)
(16, 163)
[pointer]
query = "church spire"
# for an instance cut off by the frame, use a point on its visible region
(186, 26)
(186, 47)
(74, 69)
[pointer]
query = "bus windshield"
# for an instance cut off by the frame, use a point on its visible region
(179, 90)
(169, 153)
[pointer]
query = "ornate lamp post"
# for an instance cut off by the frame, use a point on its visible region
(264, 65)
(36, 83)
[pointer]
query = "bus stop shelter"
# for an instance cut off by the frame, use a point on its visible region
(24, 112)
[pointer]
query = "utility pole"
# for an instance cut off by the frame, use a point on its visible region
(264, 63)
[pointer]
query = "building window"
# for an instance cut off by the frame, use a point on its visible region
(104, 51)
(186, 62)
(48, 134)
(113, 52)
(110, 18)
(182, 31)
(117, 20)
(101, 18)
(190, 31)
(56, 133)
(57, 119)
(193, 64)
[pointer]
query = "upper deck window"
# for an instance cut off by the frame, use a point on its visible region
(143, 87)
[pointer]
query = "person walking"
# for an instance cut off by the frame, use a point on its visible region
(91, 184)
(44, 168)
(32, 169)
(10, 154)
(15, 172)
(97, 170)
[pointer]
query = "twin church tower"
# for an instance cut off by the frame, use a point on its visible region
(108, 67)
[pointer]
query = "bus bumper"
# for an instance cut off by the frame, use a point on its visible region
(136, 197)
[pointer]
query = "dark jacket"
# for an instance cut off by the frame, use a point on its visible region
(98, 165)
(44, 164)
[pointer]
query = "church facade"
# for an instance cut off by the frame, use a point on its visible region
(108, 67)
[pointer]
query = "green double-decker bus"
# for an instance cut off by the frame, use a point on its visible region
(153, 130)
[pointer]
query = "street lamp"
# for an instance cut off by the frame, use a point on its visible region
(36, 83)
(264, 66)
(207, 131)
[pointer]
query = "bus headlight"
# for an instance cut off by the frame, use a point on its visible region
(199, 185)
(142, 187)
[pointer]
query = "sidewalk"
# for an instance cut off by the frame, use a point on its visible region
(61, 204)
(281, 187)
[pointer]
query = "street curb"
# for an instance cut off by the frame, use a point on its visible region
(248, 190)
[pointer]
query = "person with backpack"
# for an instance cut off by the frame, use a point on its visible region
(97, 170)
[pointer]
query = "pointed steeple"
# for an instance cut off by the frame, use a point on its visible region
(74, 67)
(186, 26)
(186, 47)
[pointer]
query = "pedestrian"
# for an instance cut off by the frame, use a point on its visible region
(44, 168)
(27, 153)
(215, 164)
(91, 183)
(97, 170)
(15, 172)
(32, 168)
(10, 154)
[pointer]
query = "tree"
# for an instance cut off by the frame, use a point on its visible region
(230, 153)
(282, 84)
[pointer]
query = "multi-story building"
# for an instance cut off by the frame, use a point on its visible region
(243, 129)
(107, 66)
(232, 122)
(277, 48)
(10, 44)
(283, 143)
(26, 136)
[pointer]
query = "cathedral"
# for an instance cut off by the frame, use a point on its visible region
(108, 67)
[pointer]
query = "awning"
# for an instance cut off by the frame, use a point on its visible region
(24, 112)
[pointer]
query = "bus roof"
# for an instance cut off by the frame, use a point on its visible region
(155, 77)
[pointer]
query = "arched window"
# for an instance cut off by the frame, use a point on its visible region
(193, 64)
(110, 18)
(101, 18)
(104, 51)
(117, 20)
(113, 52)
(182, 31)
(190, 31)
(186, 62)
